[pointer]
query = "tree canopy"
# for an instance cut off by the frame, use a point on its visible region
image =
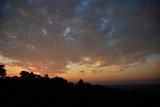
(2, 71)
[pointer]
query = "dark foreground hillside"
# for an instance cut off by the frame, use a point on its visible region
(58, 92)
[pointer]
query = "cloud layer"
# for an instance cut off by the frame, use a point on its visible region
(47, 34)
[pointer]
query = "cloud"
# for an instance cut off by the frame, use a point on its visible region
(95, 72)
(89, 62)
(156, 63)
(114, 68)
(42, 35)
(6, 61)
(89, 72)
(81, 72)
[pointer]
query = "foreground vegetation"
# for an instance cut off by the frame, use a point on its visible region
(31, 90)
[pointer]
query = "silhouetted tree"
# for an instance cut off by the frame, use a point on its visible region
(2, 71)
(46, 76)
(60, 81)
(80, 83)
(38, 76)
(57, 92)
(27, 75)
(32, 75)
(24, 74)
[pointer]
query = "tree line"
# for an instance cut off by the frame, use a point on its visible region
(32, 90)
(26, 75)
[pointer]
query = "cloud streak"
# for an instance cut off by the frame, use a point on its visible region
(47, 34)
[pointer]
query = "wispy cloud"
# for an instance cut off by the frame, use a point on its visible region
(91, 33)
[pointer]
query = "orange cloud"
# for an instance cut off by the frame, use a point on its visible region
(88, 62)
(156, 63)
(13, 70)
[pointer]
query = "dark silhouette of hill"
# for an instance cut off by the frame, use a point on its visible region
(31, 90)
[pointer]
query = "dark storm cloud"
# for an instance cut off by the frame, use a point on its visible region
(48, 33)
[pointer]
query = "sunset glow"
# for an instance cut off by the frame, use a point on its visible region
(99, 41)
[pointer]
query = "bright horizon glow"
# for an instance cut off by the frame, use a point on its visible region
(99, 41)
(113, 74)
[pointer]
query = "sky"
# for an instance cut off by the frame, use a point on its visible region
(99, 41)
